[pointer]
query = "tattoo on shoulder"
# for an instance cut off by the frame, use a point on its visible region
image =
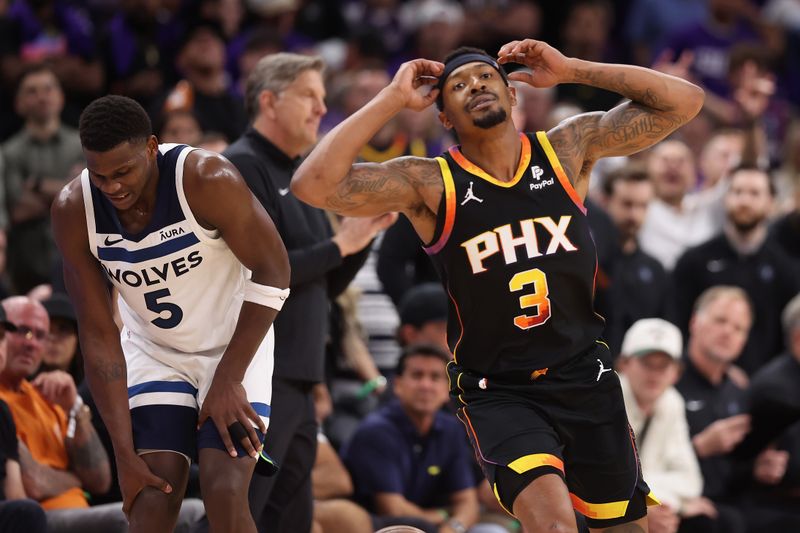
(390, 183)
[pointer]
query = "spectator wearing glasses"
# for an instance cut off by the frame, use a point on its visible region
(18, 514)
(60, 453)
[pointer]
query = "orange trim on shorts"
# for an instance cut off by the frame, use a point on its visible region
(599, 511)
(472, 168)
(562, 176)
(460, 324)
(472, 430)
(535, 460)
(449, 208)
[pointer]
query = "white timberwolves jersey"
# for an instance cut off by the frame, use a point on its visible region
(181, 287)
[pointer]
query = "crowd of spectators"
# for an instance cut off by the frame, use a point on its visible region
(698, 248)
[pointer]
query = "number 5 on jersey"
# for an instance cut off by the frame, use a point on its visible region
(537, 299)
(151, 299)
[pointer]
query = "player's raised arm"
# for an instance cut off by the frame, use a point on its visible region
(104, 361)
(328, 178)
(220, 199)
(659, 104)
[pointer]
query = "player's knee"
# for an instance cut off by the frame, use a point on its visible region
(227, 488)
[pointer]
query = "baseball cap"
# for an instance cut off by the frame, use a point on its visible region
(4, 320)
(650, 335)
(60, 306)
(424, 303)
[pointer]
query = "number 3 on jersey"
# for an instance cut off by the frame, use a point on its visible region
(175, 312)
(538, 298)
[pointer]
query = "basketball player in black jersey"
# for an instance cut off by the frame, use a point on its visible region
(502, 216)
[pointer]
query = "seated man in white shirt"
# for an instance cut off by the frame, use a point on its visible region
(650, 365)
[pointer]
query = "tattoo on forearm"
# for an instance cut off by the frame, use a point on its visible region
(390, 184)
(110, 371)
(620, 84)
(86, 452)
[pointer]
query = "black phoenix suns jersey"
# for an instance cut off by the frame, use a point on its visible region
(518, 263)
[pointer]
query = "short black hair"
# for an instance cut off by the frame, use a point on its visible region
(112, 120)
(751, 167)
(31, 70)
(630, 173)
(458, 52)
(420, 350)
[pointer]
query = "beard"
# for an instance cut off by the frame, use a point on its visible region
(491, 119)
(744, 224)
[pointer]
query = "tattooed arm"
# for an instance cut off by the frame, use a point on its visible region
(657, 105)
(328, 178)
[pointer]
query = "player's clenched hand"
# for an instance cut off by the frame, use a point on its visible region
(410, 81)
(225, 404)
(134, 476)
(548, 66)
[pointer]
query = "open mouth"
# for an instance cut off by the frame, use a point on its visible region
(482, 101)
(118, 198)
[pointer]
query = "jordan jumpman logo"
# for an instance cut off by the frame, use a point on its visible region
(471, 196)
(602, 369)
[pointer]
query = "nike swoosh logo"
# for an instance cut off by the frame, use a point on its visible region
(108, 242)
(283, 192)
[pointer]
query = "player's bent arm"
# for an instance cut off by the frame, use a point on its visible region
(220, 198)
(99, 337)
(328, 179)
(41, 481)
(658, 105)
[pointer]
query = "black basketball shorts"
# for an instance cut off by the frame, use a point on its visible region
(568, 420)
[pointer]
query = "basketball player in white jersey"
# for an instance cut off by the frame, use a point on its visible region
(177, 232)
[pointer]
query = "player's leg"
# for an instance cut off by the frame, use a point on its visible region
(152, 510)
(544, 505)
(224, 481)
(519, 450)
(601, 462)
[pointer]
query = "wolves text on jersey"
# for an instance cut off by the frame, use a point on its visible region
(154, 275)
(502, 238)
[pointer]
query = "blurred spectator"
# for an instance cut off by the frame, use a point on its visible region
(650, 364)
(206, 88)
(650, 22)
(60, 453)
(676, 219)
(382, 20)
(586, 35)
(180, 126)
(639, 286)
(39, 161)
(775, 405)
(490, 24)
(535, 105)
(742, 256)
(141, 43)
(423, 316)
(729, 22)
(332, 486)
(214, 142)
(787, 177)
(721, 154)
(436, 27)
(18, 514)
(256, 44)
(285, 98)
(4, 290)
(62, 350)
(61, 34)
(715, 403)
(409, 459)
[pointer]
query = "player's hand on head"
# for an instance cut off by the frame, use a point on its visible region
(57, 387)
(134, 476)
(414, 83)
(548, 66)
(227, 406)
